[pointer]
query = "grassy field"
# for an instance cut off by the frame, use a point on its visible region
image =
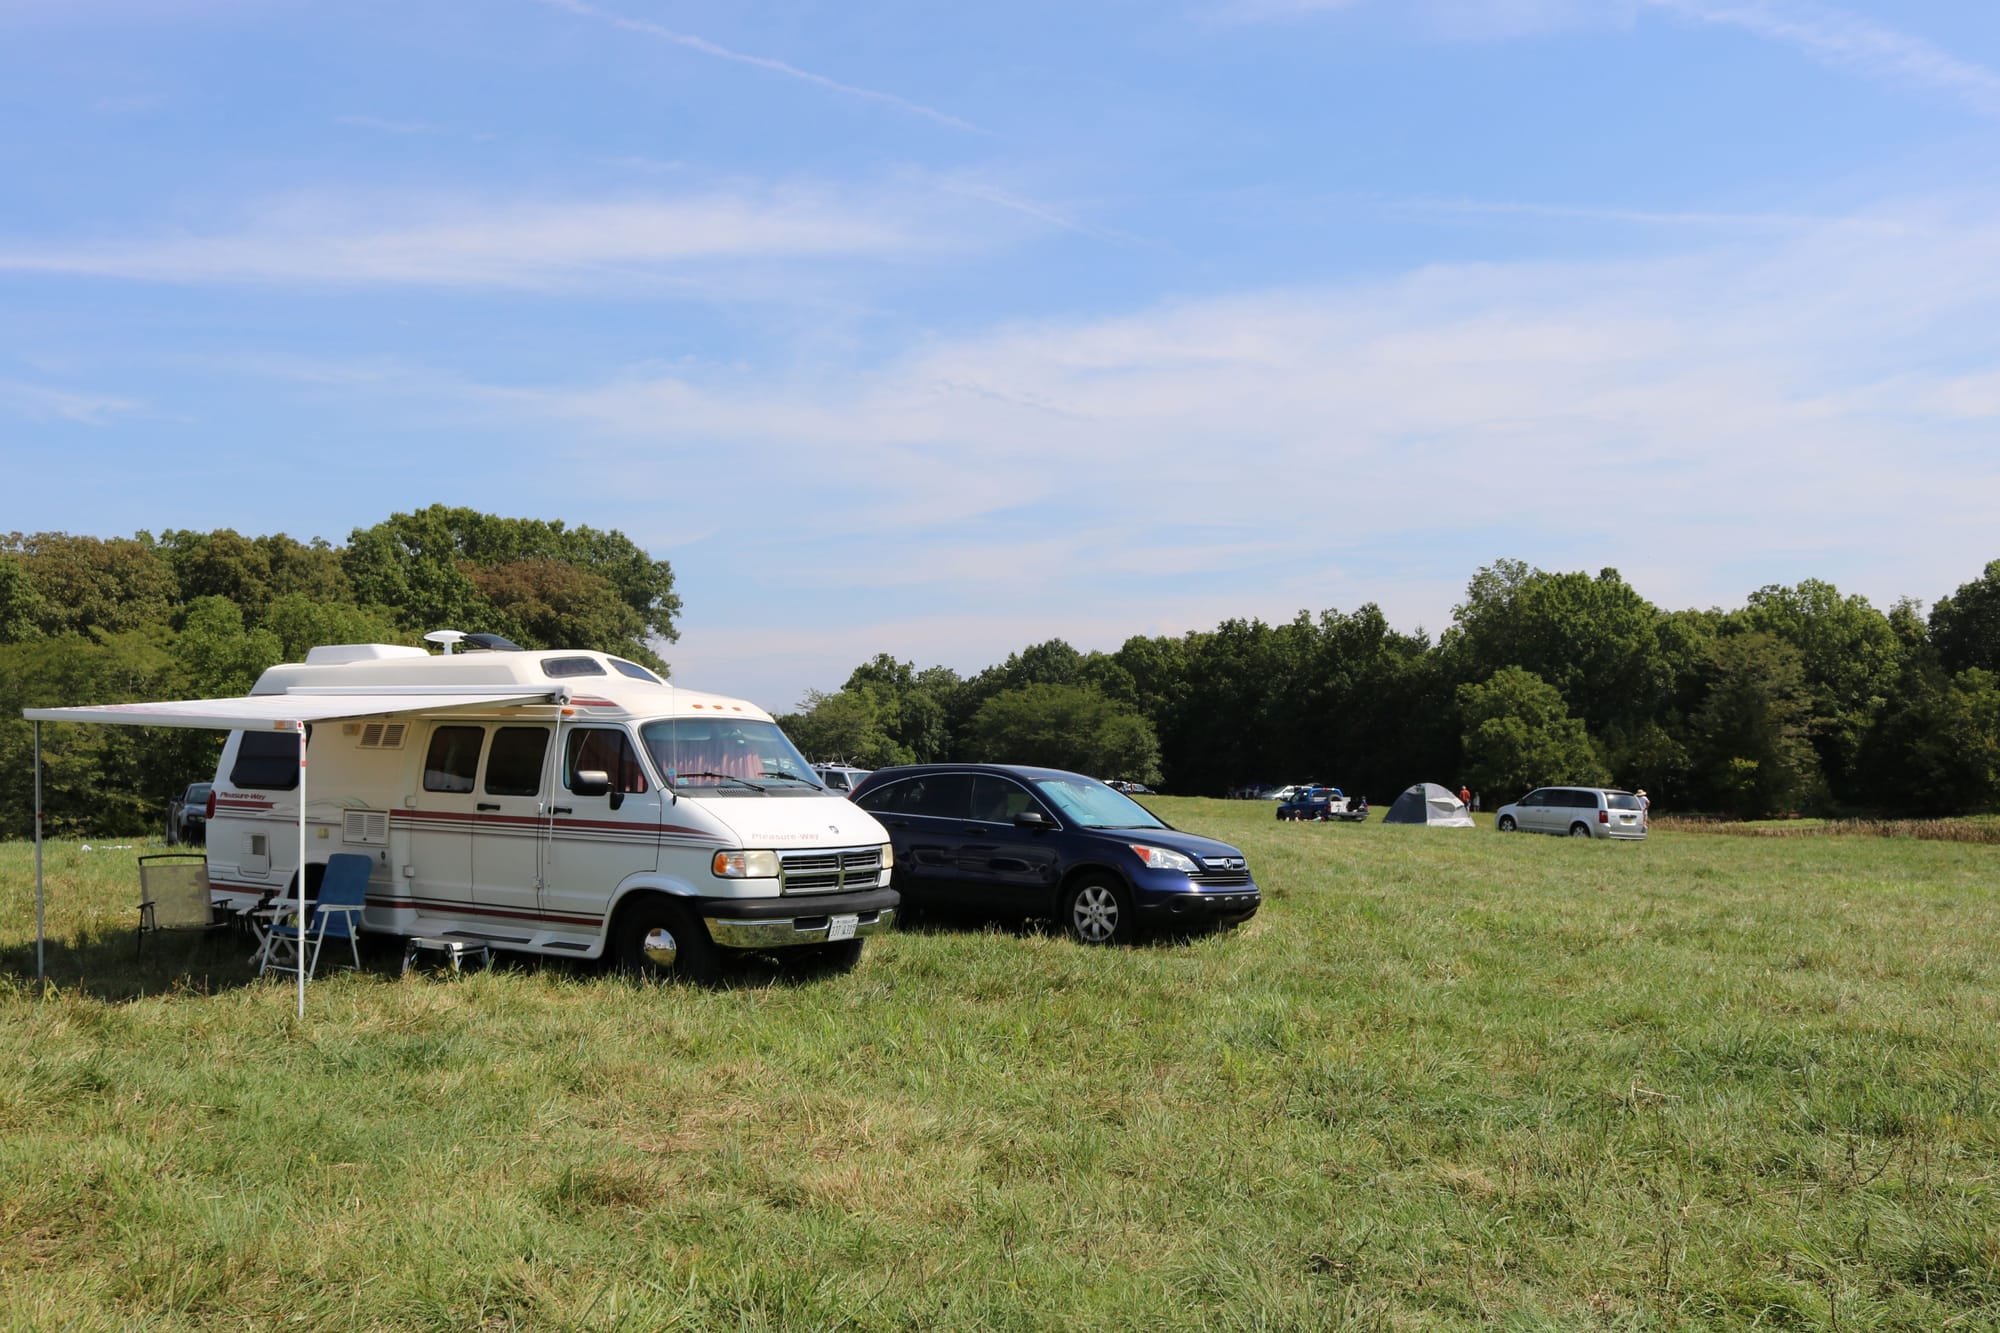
(1445, 1079)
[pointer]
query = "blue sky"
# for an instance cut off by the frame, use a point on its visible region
(944, 330)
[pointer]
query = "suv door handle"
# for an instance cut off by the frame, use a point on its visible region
(489, 805)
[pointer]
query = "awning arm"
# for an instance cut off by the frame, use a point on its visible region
(41, 965)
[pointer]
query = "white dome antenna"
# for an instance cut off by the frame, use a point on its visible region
(445, 638)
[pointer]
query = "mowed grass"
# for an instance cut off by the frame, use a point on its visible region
(1445, 1079)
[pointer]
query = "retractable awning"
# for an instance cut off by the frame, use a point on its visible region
(290, 711)
(302, 705)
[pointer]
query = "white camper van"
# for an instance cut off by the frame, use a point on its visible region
(600, 810)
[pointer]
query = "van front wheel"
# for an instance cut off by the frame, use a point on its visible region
(657, 938)
(1506, 824)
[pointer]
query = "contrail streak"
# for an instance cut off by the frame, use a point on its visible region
(708, 48)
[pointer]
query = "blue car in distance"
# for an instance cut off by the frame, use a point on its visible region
(1001, 839)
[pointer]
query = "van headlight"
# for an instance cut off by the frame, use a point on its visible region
(1162, 858)
(888, 856)
(745, 865)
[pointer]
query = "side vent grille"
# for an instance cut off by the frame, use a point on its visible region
(383, 735)
(367, 827)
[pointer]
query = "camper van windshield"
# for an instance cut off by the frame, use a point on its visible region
(727, 757)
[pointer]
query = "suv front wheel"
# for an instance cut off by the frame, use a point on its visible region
(1096, 911)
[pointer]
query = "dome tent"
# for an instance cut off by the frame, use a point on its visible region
(1428, 803)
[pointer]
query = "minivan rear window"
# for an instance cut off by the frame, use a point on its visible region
(1622, 800)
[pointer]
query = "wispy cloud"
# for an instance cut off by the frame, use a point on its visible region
(1849, 41)
(42, 402)
(496, 243)
(766, 63)
(408, 129)
(1639, 217)
(1833, 36)
(1717, 395)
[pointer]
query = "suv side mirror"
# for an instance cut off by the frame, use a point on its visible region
(1032, 819)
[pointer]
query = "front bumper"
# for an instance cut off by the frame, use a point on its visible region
(779, 923)
(1224, 906)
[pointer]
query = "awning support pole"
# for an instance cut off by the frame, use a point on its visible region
(41, 965)
(301, 728)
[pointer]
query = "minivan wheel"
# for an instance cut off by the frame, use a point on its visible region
(1506, 824)
(657, 939)
(1095, 911)
(1579, 830)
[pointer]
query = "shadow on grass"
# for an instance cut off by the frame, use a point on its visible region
(937, 921)
(108, 966)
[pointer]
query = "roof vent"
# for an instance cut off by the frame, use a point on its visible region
(491, 643)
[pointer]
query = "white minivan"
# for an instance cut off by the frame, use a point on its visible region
(599, 811)
(1577, 812)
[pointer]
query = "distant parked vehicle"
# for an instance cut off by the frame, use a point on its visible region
(1322, 804)
(840, 779)
(1579, 812)
(187, 818)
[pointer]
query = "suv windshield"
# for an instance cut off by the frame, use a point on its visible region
(727, 757)
(1090, 803)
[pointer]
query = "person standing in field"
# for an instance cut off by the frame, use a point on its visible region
(1465, 797)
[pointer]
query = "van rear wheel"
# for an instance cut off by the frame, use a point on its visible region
(1579, 830)
(657, 938)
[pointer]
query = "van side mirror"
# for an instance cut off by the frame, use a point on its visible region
(590, 782)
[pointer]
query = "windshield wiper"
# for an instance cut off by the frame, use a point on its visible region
(793, 777)
(726, 777)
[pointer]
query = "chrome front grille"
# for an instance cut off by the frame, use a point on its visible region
(1221, 871)
(830, 871)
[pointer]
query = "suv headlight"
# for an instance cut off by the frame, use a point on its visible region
(1162, 858)
(745, 865)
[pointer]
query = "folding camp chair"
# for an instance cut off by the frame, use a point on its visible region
(343, 892)
(173, 894)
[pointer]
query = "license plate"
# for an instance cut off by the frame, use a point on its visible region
(841, 927)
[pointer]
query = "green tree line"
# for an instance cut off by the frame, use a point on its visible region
(196, 614)
(1803, 699)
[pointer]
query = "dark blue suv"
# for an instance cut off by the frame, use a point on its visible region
(1002, 839)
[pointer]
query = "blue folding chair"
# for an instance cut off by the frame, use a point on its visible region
(343, 893)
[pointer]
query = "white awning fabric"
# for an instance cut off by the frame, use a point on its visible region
(262, 711)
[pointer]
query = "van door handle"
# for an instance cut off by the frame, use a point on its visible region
(560, 810)
(489, 805)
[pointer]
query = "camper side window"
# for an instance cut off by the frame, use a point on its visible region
(452, 759)
(605, 751)
(266, 761)
(514, 768)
